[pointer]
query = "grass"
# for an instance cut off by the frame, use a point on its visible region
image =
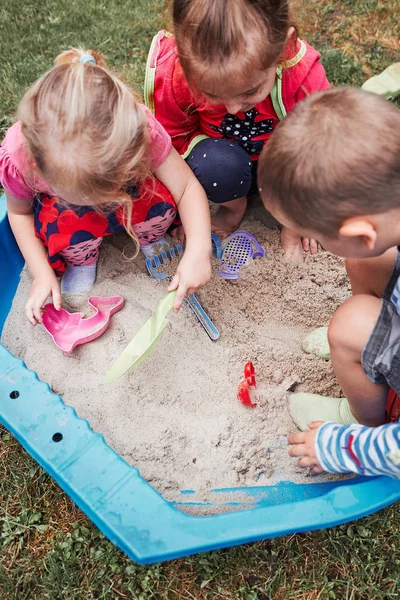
(49, 549)
(357, 39)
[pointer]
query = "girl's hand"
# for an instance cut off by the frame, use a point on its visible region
(194, 270)
(43, 286)
(45, 282)
(192, 273)
(303, 444)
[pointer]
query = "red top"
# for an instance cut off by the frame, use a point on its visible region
(185, 117)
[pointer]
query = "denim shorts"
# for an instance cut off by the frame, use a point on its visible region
(381, 356)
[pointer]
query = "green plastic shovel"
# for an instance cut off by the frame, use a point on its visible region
(144, 341)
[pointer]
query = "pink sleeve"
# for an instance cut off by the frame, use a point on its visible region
(14, 165)
(16, 171)
(159, 139)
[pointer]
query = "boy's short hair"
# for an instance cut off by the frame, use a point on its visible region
(334, 157)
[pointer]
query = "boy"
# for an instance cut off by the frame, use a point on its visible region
(332, 172)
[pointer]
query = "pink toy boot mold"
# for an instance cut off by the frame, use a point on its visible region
(71, 329)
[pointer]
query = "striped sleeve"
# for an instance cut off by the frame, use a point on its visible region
(359, 449)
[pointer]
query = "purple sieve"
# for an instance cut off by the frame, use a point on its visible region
(238, 250)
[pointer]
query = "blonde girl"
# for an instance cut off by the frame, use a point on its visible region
(86, 159)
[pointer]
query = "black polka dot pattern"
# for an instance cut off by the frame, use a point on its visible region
(243, 131)
(223, 169)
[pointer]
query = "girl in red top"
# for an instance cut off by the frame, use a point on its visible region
(86, 160)
(220, 87)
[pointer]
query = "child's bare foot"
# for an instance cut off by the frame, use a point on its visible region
(228, 217)
(294, 245)
(310, 245)
(178, 234)
(291, 244)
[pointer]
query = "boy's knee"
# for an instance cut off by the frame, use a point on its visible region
(223, 168)
(337, 327)
(353, 323)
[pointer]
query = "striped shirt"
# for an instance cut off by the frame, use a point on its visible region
(359, 449)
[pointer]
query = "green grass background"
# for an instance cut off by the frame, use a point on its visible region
(48, 548)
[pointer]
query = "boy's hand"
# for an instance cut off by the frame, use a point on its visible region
(303, 446)
(43, 286)
(192, 273)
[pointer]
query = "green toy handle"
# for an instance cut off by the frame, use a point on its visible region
(144, 341)
(164, 306)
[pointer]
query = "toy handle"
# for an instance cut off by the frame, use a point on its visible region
(164, 306)
(202, 317)
(217, 250)
(260, 252)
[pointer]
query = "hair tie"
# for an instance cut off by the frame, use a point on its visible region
(87, 58)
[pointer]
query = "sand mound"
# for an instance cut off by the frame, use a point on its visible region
(176, 417)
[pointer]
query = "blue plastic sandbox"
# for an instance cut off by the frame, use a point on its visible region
(121, 503)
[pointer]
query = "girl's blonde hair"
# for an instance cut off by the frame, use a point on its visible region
(87, 132)
(221, 40)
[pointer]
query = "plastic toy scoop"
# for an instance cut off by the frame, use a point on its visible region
(238, 250)
(144, 341)
(71, 329)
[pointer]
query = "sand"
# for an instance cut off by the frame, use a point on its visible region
(177, 417)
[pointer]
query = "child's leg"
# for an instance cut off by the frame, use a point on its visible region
(81, 266)
(292, 244)
(224, 169)
(153, 213)
(72, 237)
(364, 338)
(349, 332)
(229, 216)
(352, 333)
